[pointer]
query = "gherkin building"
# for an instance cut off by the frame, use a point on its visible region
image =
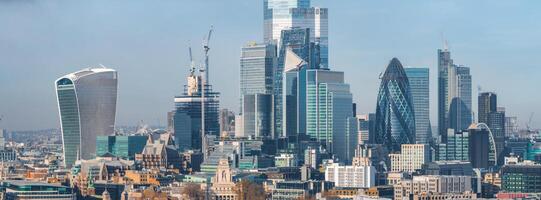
(395, 119)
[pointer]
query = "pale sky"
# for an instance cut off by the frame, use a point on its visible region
(147, 43)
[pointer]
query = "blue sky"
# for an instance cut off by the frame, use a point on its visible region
(147, 42)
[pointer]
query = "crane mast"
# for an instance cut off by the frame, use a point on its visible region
(204, 79)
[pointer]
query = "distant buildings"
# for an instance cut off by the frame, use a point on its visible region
(227, 122)
(395, 117)
(87, 108)
(419, 81)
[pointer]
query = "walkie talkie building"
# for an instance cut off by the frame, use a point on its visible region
(87, 107)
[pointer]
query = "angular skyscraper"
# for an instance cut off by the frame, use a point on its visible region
(454, 95)
(395, 117)
(281, 15)
(257, 65)
(87, 107)
(187, 117)
(420, 91)
(297, 40)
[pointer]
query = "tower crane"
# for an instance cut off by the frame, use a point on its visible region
(204, 79)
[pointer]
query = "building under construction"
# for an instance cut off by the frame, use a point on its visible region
(187, 117)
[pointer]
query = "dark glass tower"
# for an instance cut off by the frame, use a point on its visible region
(487, 103)
(395, 118)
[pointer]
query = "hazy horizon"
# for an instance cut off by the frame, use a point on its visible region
(147, 43)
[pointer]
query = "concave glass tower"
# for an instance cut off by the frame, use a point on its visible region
(87, 108)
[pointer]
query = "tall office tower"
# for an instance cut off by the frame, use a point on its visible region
(444, 63)
(87, 107)
(257, 65)
(420, 91)
(281, 15)
(395, 117)
(496, 123)
(454, 95)
(487, 103)
(187, 119)
(329, 117)
(294, 94)
(297, 40)
(460, 90)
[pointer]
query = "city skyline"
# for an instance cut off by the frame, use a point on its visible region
(41, 58)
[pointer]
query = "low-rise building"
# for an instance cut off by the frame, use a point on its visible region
(351, 176)
(432, 185)
(411, 158)
(22, 190)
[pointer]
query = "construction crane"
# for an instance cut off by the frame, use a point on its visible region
(204, 79)
(192, 63)
(206, 48)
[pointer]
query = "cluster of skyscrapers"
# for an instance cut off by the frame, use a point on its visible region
(295, 110)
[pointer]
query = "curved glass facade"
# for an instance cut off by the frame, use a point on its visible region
(395, 118)
(87, 107)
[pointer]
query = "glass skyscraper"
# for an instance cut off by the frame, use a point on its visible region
(297, 40)
(419, 86)
(329, 113)
(281, 15)
(257, 65)
(454, 95)
(87, 107)
(395, 117)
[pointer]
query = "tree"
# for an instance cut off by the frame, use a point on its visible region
(193, 191)
(247, 190)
